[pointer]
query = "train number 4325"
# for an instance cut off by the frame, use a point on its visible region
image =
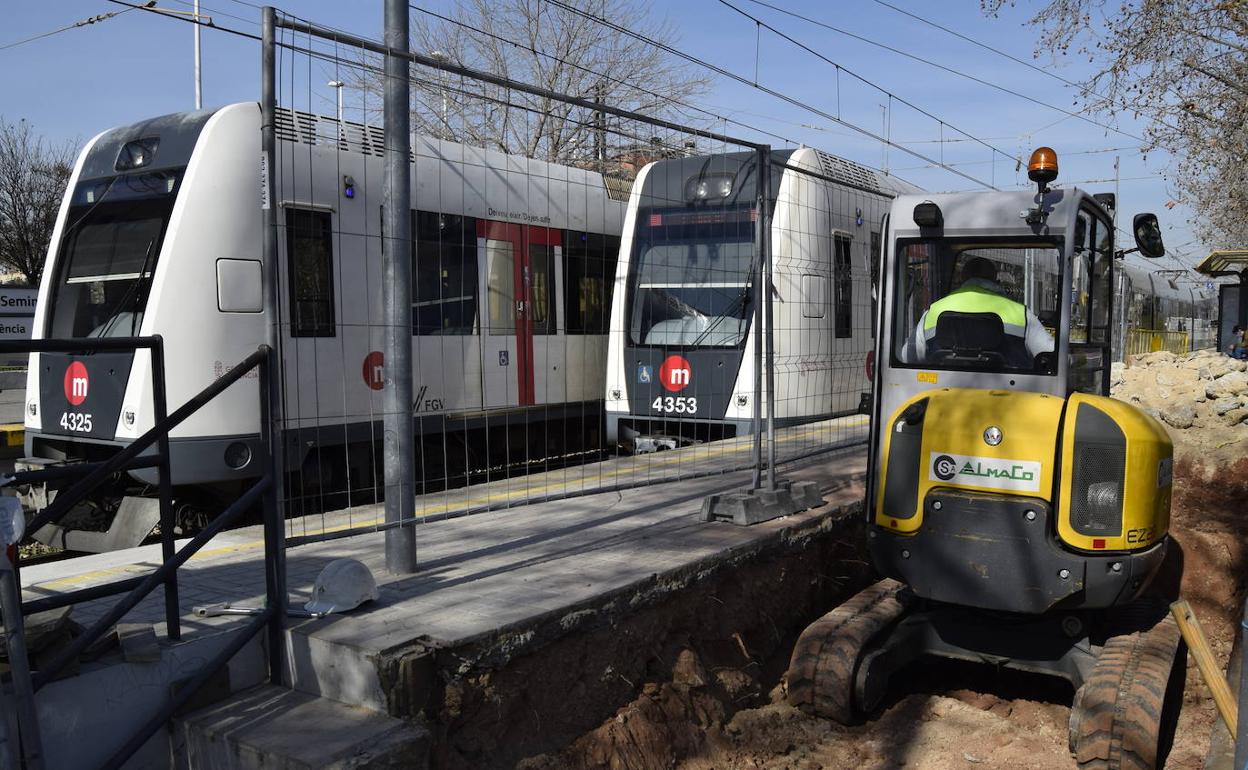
(76, 422)
(677, 404)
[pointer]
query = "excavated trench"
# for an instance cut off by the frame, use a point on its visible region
(686, 649)
(710, 698)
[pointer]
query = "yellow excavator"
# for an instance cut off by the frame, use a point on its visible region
(1018, 514)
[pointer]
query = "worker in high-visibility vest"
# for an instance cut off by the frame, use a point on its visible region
(980, 293)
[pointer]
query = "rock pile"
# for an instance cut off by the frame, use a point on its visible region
(1202, 398)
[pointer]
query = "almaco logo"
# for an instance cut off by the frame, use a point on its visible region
(989, 472)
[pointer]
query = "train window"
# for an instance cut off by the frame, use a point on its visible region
(500, 283)
(814, 296)
(589, 272)
(309, 250)
(541, 281)
(968, 305)
(108, 254)
(844, 288)
(444, 278)
(691, 280)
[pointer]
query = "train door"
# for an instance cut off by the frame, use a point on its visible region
(519, 288)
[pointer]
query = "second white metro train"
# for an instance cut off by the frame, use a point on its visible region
(680, 366)
(160, 233)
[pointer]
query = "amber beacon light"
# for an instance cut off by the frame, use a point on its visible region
(1042, 168)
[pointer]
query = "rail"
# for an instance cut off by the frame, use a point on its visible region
(135, 589)
(1141, 341)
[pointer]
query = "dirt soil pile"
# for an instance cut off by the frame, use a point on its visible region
(711, 712)
(1202, 398)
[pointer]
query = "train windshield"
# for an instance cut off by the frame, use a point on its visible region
(691, 277)
(108, 252)
(977, 305)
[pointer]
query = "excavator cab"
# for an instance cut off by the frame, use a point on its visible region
(1017, 513)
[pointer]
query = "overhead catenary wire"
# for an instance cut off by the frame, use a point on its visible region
(928, 62)
(80, 23)
(768, 90)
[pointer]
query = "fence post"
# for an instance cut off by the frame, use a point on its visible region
(173, 627)
(270, 390)
(762, 159)
(769, 344)
(399, 441)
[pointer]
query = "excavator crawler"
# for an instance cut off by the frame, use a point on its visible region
(1018, 514)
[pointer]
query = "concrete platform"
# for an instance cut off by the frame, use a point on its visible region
(272, 728)
(573, 594)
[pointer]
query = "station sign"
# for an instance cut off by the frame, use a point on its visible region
(17, 319)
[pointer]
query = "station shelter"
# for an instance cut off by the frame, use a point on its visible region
(1232, 297)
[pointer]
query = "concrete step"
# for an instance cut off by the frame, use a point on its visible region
(275, 728)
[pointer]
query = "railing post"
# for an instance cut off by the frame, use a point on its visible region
(22, 686)
(274, 534)
(270, 374)
(173, 623)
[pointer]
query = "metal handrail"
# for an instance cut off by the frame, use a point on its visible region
(138, 588)
(148, 583)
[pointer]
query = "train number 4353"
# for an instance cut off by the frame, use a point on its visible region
(677, 404)
(76, 422)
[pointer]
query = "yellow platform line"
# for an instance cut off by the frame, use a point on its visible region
(736, 446)
(14, 434)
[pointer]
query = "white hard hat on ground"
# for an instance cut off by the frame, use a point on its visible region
(343, 585)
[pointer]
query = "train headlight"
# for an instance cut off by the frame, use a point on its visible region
(742, 399)
(128, 417)
(237, 455)
(32, 408)
(702, 190)
(724, 187)
(616, 395)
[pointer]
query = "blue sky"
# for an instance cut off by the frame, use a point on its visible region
(76, 83)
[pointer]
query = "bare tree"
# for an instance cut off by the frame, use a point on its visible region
(33, 175)
(1182, 65)
(543, 44)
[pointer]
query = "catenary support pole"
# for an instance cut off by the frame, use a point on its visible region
(399, 440)
(769, 325)
(270, 371)
(199, 88)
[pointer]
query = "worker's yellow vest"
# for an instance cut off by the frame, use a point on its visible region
(975, 299)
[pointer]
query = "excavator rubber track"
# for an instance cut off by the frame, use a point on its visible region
(1123, 715)
(825, 658)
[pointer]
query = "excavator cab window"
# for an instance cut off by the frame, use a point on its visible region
(977, 304)
(1091, 298)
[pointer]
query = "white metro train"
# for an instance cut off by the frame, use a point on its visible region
(680, 365)
(160, 233)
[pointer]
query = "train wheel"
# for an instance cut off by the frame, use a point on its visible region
(825, 660)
